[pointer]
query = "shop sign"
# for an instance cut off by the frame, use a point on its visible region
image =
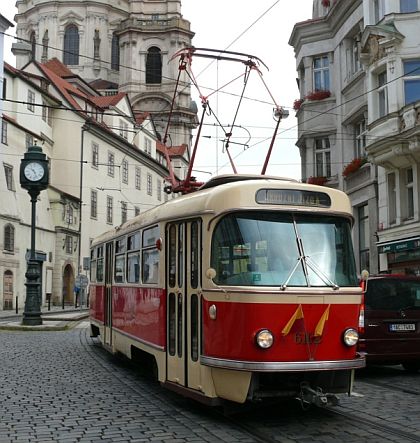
(399, 246)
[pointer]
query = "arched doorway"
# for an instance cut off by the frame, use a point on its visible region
(68, 284)
(8, 290)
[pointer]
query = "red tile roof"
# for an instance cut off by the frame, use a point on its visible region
(108, 100)
(58, 68)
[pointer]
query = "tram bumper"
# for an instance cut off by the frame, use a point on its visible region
(314, 382)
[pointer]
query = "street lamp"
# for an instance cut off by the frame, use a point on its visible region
(34, 177)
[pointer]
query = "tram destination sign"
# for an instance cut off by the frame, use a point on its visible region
(293, 197)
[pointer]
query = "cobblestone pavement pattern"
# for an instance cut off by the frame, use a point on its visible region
(61, 387)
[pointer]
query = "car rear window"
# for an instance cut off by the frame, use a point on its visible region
(393, 294)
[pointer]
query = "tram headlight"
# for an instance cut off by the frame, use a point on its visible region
(350, 337)
(264, 339)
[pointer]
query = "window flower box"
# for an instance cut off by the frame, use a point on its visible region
(318, 95)
(316, 180)
(353, 166)
(325, 3)
(297, 104)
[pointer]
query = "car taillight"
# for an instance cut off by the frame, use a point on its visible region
(362, 316)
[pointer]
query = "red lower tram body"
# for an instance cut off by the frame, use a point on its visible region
(206, 345)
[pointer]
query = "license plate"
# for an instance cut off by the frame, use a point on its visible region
(402, 327)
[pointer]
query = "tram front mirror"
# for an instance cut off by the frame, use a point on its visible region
(211, 273)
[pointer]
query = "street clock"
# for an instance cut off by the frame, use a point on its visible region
(34, 172)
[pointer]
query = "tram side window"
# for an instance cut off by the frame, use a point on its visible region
(92, 271)
(150, 256)
(119, 269)
(133, 267)
(133, 258)
(172, 255)
(100, 264)
(194, 255)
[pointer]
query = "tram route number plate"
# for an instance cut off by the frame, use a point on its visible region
(402, 327)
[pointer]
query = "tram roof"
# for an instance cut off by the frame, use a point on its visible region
(227, 192)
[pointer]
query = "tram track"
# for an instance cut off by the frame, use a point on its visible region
(394, 388)
(372, 424)
(244, 419)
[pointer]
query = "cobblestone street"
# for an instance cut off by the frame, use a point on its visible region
(61, 386)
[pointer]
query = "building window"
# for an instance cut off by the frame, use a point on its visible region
(111, 164)
(4, 132)
(138, 178)
(68, 217)
(322, 157)
(124, 129)
(321, 73)
(125, 171)
(409, 193)
(149, 184)
(93, 203)
(71, 45)
(45, 43)
(360, 137)
(123, 212)
(363, 216)
(153, 65)
(109, 208)
(9, 238)
(159, 189)
(392, 198)
(382, 94)
(33, 45)
(379, 9)
(96, 45)
(31, 101)
(412, 81)
(95, 155)
(356, 66)
(136, 211)
(8, 290)
(69, 244)
(115, 53)
(148, 145)
(408, 6)
(29, 140)
(8, 172)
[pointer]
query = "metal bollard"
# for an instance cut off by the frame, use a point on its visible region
(17, 308)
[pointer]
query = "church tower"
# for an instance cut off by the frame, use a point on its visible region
(124, 46)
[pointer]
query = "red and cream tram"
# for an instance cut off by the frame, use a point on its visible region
(242, 290)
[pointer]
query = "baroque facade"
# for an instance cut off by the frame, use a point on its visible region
(359, 71)
(124, 46)
(107, 163)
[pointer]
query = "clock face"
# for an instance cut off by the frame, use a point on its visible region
(34, 171)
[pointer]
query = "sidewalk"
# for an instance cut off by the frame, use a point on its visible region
(57, 319)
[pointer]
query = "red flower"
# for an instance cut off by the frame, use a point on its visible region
(353, 166)
(318, 95)
(316, 181)
(297, 104)
(325, 3)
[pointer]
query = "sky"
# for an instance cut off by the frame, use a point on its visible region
(262, 31)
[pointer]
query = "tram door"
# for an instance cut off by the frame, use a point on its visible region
(109, 255)
(184, 289)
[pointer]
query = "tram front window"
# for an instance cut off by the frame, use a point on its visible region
(273, 249)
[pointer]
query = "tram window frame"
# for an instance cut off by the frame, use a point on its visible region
(150, 257)
(120, 245)
(100, 264)
(195, 256)
(119, 278)
(171, 324)
(172, 256)
(133, 274)
(181, 254)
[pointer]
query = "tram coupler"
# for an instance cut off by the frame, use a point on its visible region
(309, 396)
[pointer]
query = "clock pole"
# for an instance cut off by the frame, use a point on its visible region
(34, 177)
